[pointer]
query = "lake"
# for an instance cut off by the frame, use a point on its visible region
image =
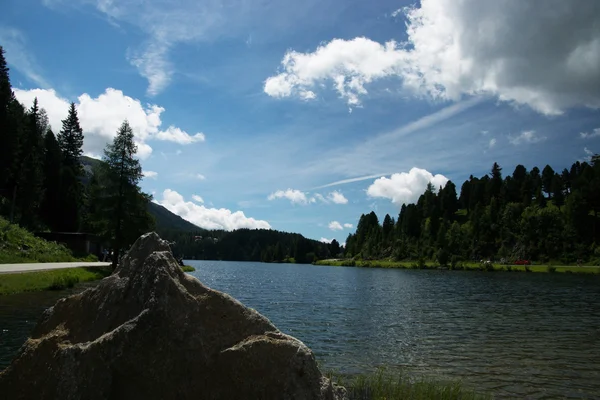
(514, 335)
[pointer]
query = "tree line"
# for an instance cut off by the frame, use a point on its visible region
(264, 245)
(42, 177)
(534, 215)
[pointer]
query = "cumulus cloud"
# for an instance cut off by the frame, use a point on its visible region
(208, 218)
(589, 135)
(470, 47)
(335, 226)
(150, 174)
(405, 187)
(337, 197)
(101, 117)
(526, 137)
(197, 199)
(293, 195)
(349, 226)
(325, 240)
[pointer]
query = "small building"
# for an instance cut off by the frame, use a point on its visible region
(81, 244)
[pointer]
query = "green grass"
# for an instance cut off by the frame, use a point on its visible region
(382, 385)
(56, 279)
(18, 245)
(470, 266)
(188, 268)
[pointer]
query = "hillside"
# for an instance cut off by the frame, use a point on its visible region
(17, 245)
(165, 219)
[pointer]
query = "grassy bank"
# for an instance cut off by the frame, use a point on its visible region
(382, 385)
(188, 268)
(461, 266)
(18, 245)
(57, 279)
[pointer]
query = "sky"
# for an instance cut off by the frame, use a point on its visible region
(301, 116)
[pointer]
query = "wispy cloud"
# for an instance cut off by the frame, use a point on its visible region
(492, 143)
(525, 137)
(590, 135)
(14, 43)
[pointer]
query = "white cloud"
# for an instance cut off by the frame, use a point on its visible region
(405, 187)
(14, 44)
(174, 134)
(200, 177)
(526, 137)
(208, 218)
(492, 142)
(152, 64)
(337, 197)
(470, 47)
(335, 226)
(101, 117)
(325, 240)
(589, 135)
(197, 199)
(588, 151)
(293, 195)
(150, 174)
(397, 12)
(348, 226)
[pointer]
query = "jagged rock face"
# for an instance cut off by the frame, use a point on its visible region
(149, 331)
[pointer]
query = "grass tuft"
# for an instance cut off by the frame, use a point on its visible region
(382, 385)
(188, 268)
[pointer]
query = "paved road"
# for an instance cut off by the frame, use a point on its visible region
(13, 268)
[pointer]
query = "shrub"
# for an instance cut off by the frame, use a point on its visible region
(443, 257)
(455, 262)
(421, 263)
(551, 268)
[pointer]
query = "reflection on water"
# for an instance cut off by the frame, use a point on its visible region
(513, 334)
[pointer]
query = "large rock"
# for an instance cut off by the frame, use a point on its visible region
(149, 331)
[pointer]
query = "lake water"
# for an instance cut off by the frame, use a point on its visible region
(514, 335)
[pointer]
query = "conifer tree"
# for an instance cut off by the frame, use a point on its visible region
(120, 205)
(70, 140)
(52, 170)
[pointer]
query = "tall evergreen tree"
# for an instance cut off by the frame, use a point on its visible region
(121, 206)
(5, 131)
(547, 178)
(52, 170)
(30, 181)
(70, 140)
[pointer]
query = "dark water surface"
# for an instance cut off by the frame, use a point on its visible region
(515, 335)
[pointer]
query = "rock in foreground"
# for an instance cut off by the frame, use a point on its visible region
(149, 331)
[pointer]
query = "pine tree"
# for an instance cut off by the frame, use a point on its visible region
(5, 132)
(52, 170)
(547, 178)
(70, 140)
(121, 207)
(29, 192)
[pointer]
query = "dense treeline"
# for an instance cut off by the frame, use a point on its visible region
(534, 215)
(42, 177)
(249, 245)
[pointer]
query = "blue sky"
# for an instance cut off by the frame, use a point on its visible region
(300, 116)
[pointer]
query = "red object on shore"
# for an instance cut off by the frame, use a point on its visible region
(522, 262)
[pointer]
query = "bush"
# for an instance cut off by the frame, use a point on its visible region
(455, 262)
(551, 268)
(63, 282)
(443, 257)
(188, 268)
(527, 268)
(421, 263)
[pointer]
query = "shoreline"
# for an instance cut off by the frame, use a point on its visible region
(543, 268)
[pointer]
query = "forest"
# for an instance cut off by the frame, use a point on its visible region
(545, 216)
(264, 245)
(44, 186)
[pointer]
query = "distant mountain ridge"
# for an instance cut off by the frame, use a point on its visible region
(165, 219)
